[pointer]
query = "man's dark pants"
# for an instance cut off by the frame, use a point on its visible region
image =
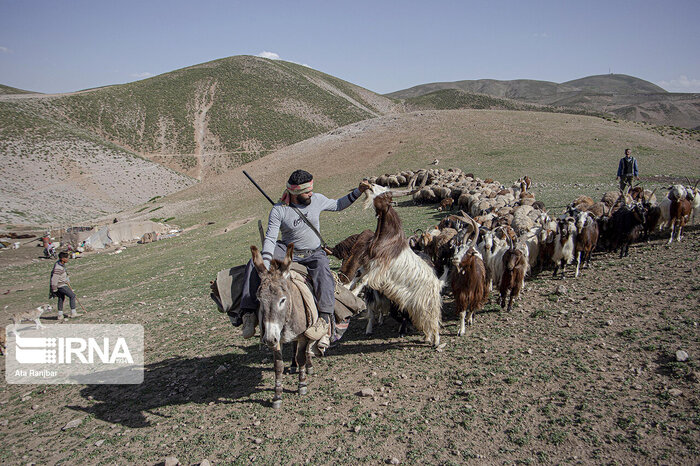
(319, 270)
(625, 181)
(63, 293)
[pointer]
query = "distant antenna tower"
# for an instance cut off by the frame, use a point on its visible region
(609, 70)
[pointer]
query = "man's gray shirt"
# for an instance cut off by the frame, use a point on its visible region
(294, 230)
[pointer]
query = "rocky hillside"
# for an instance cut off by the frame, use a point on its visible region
(55, 173)
(211, 117)
(621, 95)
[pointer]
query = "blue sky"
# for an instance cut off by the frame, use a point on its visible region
(62, 46)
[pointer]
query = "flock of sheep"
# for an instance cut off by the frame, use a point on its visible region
(501, 235)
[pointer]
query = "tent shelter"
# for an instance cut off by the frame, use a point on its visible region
(116, 233)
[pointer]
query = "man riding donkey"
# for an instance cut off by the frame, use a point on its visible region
(285, 217)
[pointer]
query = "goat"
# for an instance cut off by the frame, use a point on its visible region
(514, 270)
(680, 211)
(625, 227)
(357, 257)
(379, 306)
(586, 239)
(564, 245)
(492, 250)
(652, 220)
(439, 249)
(453, 221)
(469, 280)
(343, 249)
(694, 197)
(397, 272)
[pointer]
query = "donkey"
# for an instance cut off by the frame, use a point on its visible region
(282, 318)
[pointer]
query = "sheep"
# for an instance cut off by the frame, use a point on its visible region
(583, 202)
(424, 196)
(586, 239)
(397, 272)
(446, 204)
(521, 221)
(610, 197)
(469, 280)
(597, 209)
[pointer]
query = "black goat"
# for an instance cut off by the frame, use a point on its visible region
(625, 226)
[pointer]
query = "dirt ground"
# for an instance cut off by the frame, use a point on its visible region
(586, 376)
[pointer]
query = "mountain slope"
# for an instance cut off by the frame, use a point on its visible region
(56, 173)
(213, 116)
(7, 90)
(625, 96)
(615, 84)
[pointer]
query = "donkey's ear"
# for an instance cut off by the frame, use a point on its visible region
(288, 257)
(258, 261)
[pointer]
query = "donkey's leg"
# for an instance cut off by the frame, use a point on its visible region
(279, 369)
(293, 367)
(309, 360)
(301, 357)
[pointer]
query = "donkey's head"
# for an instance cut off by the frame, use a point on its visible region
(274, 295)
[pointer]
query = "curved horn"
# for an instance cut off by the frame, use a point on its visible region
(686, 179)
(475, 226)
(696, 183)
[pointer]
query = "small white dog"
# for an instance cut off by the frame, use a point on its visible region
(34, 315)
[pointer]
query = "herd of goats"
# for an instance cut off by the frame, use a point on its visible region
(500, 235)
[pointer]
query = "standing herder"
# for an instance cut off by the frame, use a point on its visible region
(60, 286)
(307, 244)
(627, 169)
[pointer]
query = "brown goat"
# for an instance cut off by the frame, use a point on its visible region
(357, 257)
(514, 269)
(343, 249)
(586, 239)
(680, 212)
(469, 286)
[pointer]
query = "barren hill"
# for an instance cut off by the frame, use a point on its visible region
(490, 143)
(55, 173)
(625, 96)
